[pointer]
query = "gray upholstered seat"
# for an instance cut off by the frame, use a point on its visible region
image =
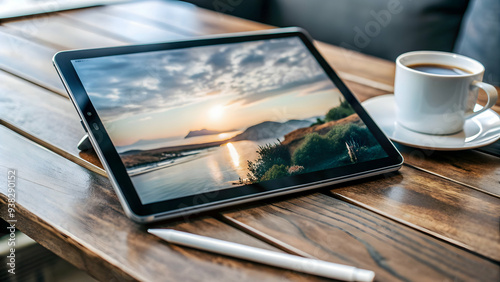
(479, 37)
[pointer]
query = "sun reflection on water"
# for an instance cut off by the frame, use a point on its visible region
(234, 154)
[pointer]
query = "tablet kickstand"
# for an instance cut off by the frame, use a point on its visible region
(84, 143)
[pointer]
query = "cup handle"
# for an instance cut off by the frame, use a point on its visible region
(492, 97)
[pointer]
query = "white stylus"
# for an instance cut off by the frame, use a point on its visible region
(306, 265)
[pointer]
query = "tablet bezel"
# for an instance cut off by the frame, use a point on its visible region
(211, 200)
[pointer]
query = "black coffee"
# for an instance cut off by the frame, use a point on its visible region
(439, 69)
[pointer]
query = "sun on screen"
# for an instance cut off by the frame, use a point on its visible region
(216, 112)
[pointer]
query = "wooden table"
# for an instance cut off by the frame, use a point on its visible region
(437, 219)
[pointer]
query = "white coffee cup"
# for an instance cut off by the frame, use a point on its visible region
(434, 103)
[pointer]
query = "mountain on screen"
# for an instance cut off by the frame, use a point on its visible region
(270, 129)
(202, 132)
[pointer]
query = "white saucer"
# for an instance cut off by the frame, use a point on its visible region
(479, 131)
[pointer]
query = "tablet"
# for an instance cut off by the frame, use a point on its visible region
(189, 126)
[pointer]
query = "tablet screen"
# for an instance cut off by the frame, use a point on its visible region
(202, 119)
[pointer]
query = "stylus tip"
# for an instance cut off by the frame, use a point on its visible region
(162, 233)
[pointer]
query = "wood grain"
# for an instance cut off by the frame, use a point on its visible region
(470, 168)
(59, 33)
(186, 17)
(30, 61)
(336, 231)
(79, 218)
(355, 63)
(436, 206)
(46, 117)
(121, 28)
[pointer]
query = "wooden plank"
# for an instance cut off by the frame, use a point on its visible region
(29, 60)
(337, 231)
(470, 168)
(186, 17)
(60, 33)
(436, 206)
(76, 214)
(42, 113)
(361, 65)
(116, 12)
(122, 28)
(47, 117)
